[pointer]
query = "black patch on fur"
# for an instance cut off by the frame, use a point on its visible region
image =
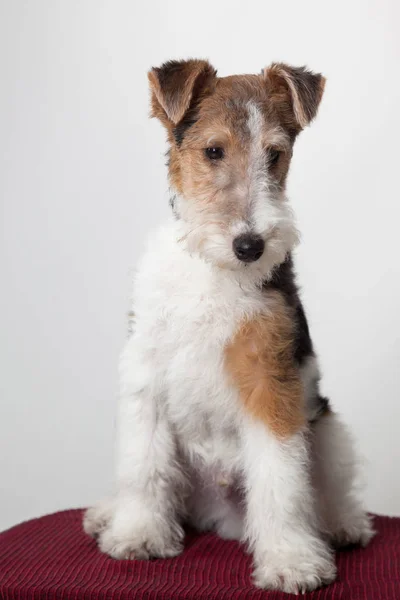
(284, 281)
(172, 203)
(321, 407)
(169, 69)
(308, 86)
(181, 128)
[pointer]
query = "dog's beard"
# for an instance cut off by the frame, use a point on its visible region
(211, 237)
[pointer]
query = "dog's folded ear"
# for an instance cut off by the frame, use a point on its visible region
(295, 93)
(176, 86)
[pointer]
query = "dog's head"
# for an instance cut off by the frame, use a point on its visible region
(231, 141)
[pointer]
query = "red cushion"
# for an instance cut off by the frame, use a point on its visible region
(51, 558)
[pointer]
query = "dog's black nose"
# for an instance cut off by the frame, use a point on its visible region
(248, 248)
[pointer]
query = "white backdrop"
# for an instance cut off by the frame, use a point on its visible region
(83, 180)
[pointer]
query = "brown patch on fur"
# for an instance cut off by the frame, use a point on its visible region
(295, 93)
(176, 85)
(261, 364)
(174, 169)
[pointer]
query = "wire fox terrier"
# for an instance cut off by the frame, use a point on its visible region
(221, 422)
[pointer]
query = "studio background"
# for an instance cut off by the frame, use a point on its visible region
(82, 181)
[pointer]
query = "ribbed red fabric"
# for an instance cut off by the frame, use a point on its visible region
(51, 558)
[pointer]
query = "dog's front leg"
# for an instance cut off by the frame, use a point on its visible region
(281, 525)
(141, 521)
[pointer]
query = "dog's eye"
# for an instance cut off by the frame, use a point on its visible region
(214, 153)
(273, 156)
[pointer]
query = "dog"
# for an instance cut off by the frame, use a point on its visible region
(221, 421)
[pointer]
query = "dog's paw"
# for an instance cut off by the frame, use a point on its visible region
(295, 573)
(97, 518)
(126, 527)
(358, 530)
(141, 545)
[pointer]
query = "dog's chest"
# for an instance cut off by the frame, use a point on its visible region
(194, 312)
(198, 325)
(202, 403)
